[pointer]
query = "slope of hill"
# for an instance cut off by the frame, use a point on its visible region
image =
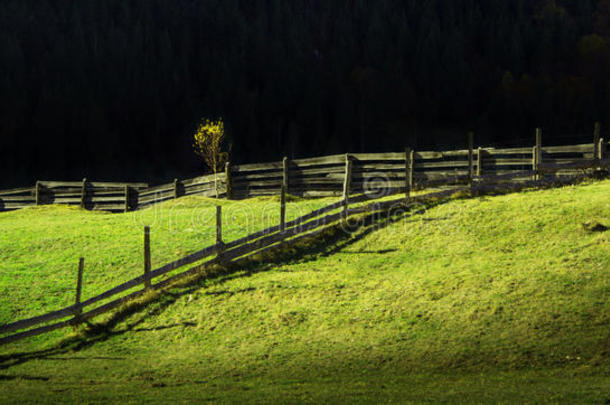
(493, 299)
(40, 246)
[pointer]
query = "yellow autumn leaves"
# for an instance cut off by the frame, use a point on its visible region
(208, 142)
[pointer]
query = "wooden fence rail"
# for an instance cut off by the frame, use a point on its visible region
(355, 177)
(327, 175)
(285, 233)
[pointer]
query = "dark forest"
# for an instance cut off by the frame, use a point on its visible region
(114, 89)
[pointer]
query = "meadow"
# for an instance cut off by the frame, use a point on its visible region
(473, 300)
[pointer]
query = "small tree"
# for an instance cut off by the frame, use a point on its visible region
(208, 143)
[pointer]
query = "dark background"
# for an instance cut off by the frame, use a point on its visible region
(113, 89)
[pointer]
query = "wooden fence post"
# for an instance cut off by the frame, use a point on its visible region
(538, 152)
(283, 209)
(479, 161)
(470, 157)
(596, 144)
(602, 149)
(83, 193)
(408, 172)
(229, 180)
(219, 227)
(285, 173)
(411, 170)
(176, 191)
(534, 160)
(37, 192)
(147, 261)
(347, 183)
(127, 198)
(79, 288)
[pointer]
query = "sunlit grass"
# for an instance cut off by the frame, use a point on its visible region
(491, 299)
(40, 247)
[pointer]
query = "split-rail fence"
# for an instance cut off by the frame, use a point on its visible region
(352, 175)
(325, 176)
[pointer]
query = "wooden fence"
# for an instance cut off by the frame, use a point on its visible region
(89, 195)
(375, 173)
(280, 235)
(325, 176)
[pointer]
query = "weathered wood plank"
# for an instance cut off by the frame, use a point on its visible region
(318, 193)
(440, 174)
(24, 190)
(117, 198)
(491, 176)
(154, 197)
(371, 174)
(259, 183)
(36, 320)
(423, 155)
(63, 192)
(359, 167)
(323, 160)
(204, 188)
(585, 147)
(25, 198)
(441, 165)
(379, 184)
(333, 176)
(197, 180)
(417, 165)
(490, 162)
(101, 193)
(321, 188)
(95, 184)
(306, 181)
(102, 184)
(397, 156)
(566, 161)
(74, 200)
(579, 164)
(295, 172)
(527, 150)
(248, 193)
(257, 176)
(164, 188)
(15, 206)
(253, 167)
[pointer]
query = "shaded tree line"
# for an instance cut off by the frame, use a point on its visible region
(114, 89)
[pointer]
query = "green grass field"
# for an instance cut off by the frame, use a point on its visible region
(497, 299)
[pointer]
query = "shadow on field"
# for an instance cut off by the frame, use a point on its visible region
(336, 238)
(22, 377)
(98, 332)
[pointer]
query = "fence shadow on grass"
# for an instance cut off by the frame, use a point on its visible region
(154, 305)
(334, 239)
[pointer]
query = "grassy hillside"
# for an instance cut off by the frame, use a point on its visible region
(40, 247)
(493, 299)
